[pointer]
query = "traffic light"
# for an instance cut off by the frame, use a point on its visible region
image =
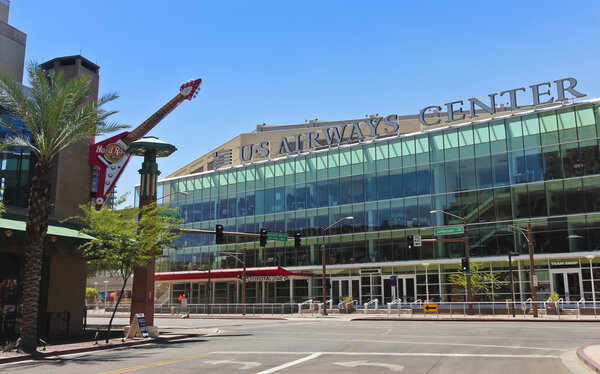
(410, 241)
(465, 265)
(219, 236)
(263, 237)
(297, 239)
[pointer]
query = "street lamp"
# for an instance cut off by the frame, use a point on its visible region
(183, 193)
(592, 275)
(529, 240)
(426, 264)
(105, 292)
(243, 261)
(323, 260)
(512, 285)
(466, 242)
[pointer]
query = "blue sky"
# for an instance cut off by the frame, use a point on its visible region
(284, 62)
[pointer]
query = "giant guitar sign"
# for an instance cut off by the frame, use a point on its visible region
(108, 157)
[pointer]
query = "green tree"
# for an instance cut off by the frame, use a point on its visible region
(124, 243)
(58, 113)
(481, 282)
(91, 294)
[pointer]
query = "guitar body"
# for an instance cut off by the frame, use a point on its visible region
(108, 157)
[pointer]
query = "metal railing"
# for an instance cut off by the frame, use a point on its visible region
(548, 309)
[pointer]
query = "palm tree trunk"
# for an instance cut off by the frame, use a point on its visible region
(38, 210)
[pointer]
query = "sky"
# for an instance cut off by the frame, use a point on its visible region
(285, 62)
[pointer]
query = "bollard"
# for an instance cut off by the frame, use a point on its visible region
(172, 310)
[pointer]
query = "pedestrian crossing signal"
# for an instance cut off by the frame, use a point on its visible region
(410, 241)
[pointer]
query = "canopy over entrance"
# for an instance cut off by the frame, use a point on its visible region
(271, 271)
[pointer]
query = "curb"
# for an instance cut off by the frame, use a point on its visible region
(591, 364)
(470, 320)
(43, 354)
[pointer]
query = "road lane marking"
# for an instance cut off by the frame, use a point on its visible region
(353, 364)
(399, 354)
(154, 364)
(418, 343)
(291, 363)
(245, 365)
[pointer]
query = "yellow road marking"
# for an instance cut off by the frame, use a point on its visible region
(154, 364)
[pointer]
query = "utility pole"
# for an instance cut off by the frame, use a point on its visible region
(532, 270)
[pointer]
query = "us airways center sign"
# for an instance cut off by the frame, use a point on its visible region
(540, 93)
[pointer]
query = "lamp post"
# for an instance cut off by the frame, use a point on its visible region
(426, 264)
(243, 261)
(183, 193)
(142, 294)
(105, 293)
(529, 240)
(96, 287)
(323, 260)
(512, 285)
(592, 277)
(466, 243)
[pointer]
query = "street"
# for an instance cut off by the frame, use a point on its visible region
(302, 345)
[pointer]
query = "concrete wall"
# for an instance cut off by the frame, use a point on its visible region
(12, 45)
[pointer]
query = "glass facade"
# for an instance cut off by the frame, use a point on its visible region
(16, 166)
(541, 166)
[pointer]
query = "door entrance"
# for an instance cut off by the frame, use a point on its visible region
(567, 284)
(406, 288)
(341, 287)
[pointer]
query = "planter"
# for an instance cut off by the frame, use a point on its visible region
(347, 307)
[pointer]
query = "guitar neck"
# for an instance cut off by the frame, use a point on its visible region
(153, 120)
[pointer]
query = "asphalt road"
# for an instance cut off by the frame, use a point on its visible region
(336, 345)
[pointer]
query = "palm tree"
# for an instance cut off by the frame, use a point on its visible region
(58, 113)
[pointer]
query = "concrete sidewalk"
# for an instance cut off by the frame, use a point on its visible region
(590, 356)
(165, 334)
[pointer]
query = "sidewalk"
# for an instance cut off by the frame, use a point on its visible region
(166, 334)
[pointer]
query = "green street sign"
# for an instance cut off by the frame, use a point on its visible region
(277, 236)
(170, 215)
(449, 230)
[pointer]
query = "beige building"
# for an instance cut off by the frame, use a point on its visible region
(12, 45)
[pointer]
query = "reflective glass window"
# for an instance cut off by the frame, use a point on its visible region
(466, 142)
(555, 198)
(552, 162)
(370, 187)
(514, 133)
(345, 190)
(531, 131)
(481, 138)
(358, 189)
(500, 170)
(436, 146)
(383, 185)
(422, 149)
(450, 144)
(438, 178)
(549, 128)
(452, 176)
(574, 197)
(586, 123)
(468, 176)
(567, 131)
(537, 199)
(497, 137)
(334, 192)
(483, 166)
(396, 184)
(408, 151)
(410, 181)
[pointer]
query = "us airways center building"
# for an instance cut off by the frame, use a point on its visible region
(474, 168)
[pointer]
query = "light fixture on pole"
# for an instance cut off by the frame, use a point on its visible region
(426, 265)
(512, 285)
(592, 278)
(324, 264)
(466, 243)
(182, 193)
(105, 293)
(533, 278)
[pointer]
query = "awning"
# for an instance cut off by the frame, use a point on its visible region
(17, 225)
(271, 271)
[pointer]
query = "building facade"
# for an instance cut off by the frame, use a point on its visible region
(537, 163)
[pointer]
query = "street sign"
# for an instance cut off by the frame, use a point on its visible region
(417, 240)
(449, 230)
(277, 236)
(430, 308)
(170, 215)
